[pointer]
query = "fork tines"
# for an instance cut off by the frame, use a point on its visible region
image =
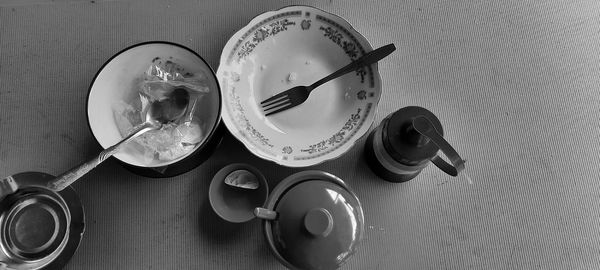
(276, 105)
(274, 100)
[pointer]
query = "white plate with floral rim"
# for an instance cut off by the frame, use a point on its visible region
(297, 45)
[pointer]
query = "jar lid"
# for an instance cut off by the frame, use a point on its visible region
(35, 225)
(24, 242)
(405, 144)
(319, 221)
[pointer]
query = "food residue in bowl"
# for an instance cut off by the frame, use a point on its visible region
(292, 77)
(235, 76)
(172, 140)
(242, 179)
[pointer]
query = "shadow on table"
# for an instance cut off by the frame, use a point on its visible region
(233, 151)
(221, 233)
(214, 228)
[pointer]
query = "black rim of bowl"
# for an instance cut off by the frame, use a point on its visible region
(194, 159)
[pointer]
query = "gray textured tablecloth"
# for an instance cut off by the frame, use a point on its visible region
(514, 83)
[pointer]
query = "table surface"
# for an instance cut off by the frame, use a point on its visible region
(514, 83)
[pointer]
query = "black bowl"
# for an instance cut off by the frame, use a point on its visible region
(115, 81)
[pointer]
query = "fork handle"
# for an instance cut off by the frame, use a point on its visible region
(367, 59)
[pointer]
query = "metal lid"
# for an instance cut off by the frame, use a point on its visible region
(403, 142)
(35, 225)
(319, 221)
(39, 228)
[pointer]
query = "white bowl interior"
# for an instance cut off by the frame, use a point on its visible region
(116, 82)
(266, 74)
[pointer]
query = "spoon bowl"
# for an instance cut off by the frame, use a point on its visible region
(170, 108)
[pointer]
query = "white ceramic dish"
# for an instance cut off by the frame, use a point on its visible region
(116, 82)
(297, 45)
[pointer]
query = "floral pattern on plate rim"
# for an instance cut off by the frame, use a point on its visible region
(347, 46)
(352, 125)
(267, 28)
(243, 121)
(261, 34)
(287, 150)
(251, 44)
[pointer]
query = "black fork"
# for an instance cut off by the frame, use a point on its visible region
(298, 94)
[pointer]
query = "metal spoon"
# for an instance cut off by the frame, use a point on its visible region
(170, 109)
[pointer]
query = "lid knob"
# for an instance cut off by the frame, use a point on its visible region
(412, 136)
(403, 142)
(318, 222)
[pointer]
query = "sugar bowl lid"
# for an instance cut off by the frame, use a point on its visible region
(312, 220)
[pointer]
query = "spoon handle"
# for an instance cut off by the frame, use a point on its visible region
(8, 185)
(4, 266)
(367, 59)
(66, 179)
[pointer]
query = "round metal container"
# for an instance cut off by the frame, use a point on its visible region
(312, 220)
(39, 228)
